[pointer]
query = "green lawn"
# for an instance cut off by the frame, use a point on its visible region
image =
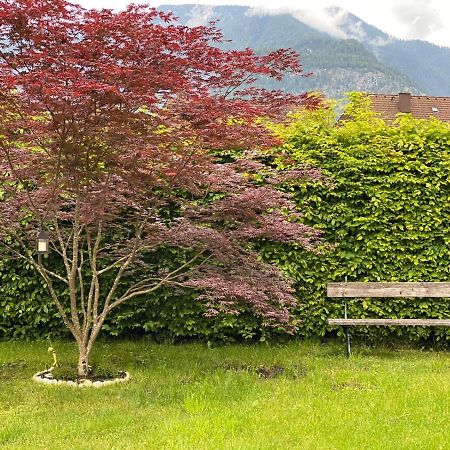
(194, 397)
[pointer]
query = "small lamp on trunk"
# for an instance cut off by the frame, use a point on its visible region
(42, 242)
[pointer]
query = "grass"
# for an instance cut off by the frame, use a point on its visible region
(232, 397)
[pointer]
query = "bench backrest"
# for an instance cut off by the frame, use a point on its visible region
(372, 289)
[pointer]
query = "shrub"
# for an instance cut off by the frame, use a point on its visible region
(384, 211)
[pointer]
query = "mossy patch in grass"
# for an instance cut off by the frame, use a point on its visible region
(9, 369)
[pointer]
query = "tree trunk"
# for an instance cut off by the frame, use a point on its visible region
(83, 362)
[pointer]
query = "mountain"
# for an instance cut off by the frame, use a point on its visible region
(426, 64)
(343, 52)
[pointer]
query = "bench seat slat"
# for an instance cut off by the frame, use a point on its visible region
(392, 322)
(388, 289)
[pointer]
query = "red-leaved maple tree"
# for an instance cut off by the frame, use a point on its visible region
(110, 119)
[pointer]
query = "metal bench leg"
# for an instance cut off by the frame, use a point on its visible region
(347, 331)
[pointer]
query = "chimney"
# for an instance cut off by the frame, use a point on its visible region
(404, 102)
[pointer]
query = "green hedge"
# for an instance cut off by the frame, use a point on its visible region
(384, 208)
(26, 312)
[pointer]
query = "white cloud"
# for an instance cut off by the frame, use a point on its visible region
(328, 20)
(356, 31)
(200, 15)
(419, 19)
(408, 19)
(380, 41)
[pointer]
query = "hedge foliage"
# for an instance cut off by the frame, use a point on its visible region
(27, 312)
(383, 207)
(25, 308)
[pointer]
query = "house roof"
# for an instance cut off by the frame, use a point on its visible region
(420, 106)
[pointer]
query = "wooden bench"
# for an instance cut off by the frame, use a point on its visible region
(364, 290)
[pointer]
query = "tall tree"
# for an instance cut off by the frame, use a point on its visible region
(110, 118)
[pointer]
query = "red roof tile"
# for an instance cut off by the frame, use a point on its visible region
(422, 106)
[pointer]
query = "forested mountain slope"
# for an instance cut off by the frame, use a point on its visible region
(361, 58)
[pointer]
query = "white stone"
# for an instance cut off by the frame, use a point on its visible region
(46, 377)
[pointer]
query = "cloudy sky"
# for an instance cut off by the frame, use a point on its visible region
(409, 19)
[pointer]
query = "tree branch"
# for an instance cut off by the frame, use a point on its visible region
(55, 275)
(54, 296)
(141, 289)
(114, 264)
